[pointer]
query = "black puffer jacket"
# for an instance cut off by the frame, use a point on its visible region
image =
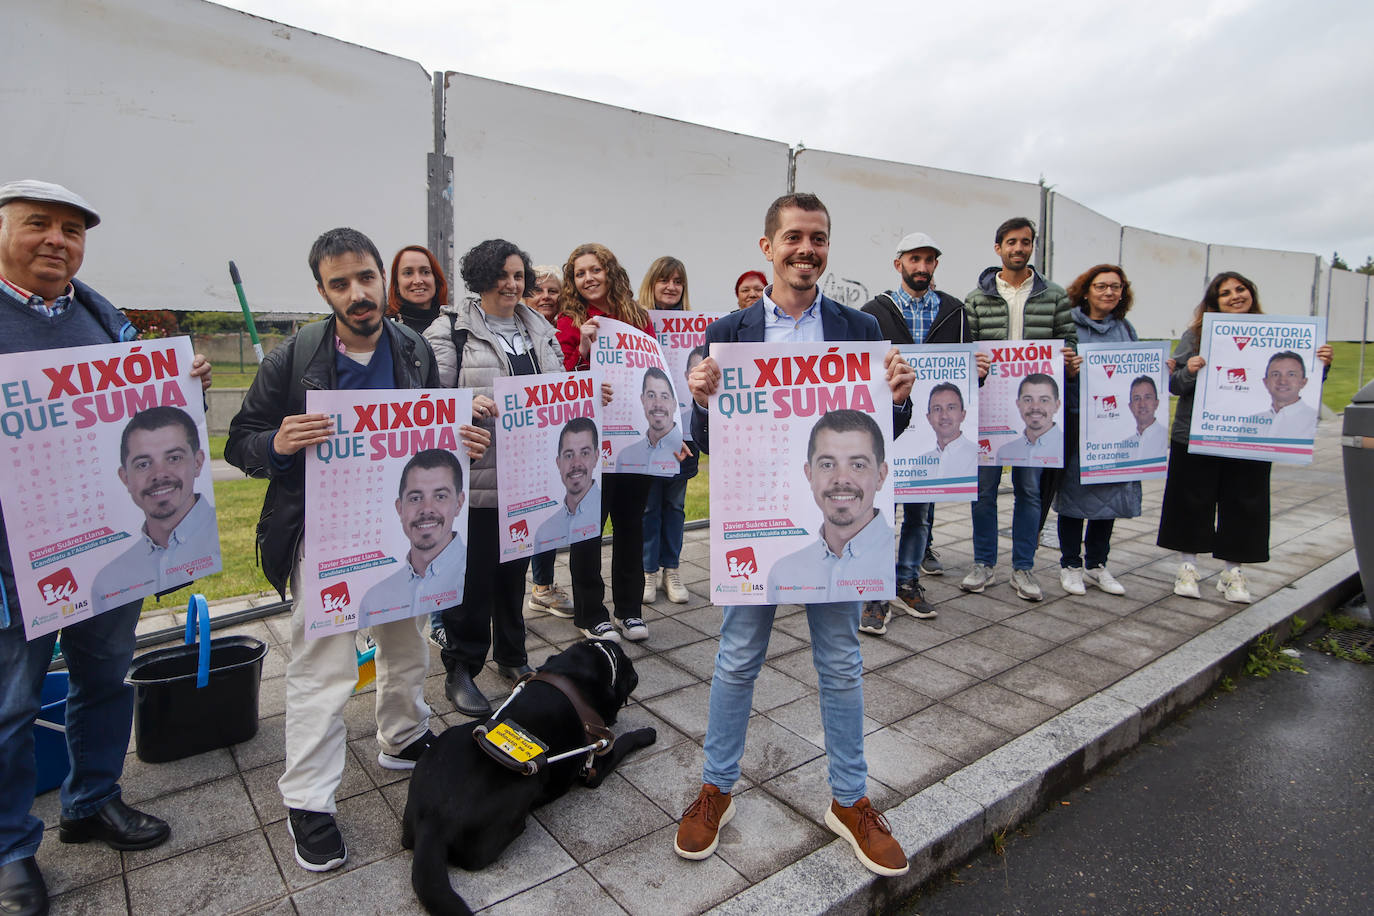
(274, 396)
(950, 324)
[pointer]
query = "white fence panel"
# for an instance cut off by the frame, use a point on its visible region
(1168, 277)
(549, 172)
(1345, 319)
(1285, 279)
(202, 134)
(1079, 238)
(873, 203)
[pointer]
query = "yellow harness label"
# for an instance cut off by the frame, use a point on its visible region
(514, 743)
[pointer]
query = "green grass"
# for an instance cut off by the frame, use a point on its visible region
(699, 491)
(1343, 381)
(237, 503)
(232, 378)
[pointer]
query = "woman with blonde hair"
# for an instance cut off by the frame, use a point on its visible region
(665, 288)
(595, 286)
(542, 294)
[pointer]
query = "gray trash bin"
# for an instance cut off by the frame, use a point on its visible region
(1357, 441)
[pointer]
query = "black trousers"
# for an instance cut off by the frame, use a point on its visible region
(623, 497)
(492, 612)
(1216, 505)
(1096, 547)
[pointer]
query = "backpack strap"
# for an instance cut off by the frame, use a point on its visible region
(307, 341)
(460, 342)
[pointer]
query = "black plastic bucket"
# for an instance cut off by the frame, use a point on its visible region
(173, 718)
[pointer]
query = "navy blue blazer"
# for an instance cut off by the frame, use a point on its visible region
(746, 326)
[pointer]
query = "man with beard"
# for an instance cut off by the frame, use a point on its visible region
(1015, 302)
(1037, 400)
(352, 349)
(431, 575)
(159, 459)
(1151, 439)
(916, 313)
(1288, 416)
(845, 468)
(657, 452)
(579, 514)
(796, 241)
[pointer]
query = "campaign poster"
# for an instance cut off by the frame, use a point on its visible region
(936, 458)
(1259, 395)
(107, 492)
(1021, 410)
(548, 473)
(386, 508)
(801, 497)
(682, 336)
(642, 430)
(1123, 405)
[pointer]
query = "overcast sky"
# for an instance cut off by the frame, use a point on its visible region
(1242, 122)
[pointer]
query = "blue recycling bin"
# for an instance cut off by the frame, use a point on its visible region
(50, 734)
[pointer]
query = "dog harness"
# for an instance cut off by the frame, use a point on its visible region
(518, 750)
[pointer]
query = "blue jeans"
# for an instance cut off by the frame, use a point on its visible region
(541, 567)
(1025, 516)
(664, 516)
(100, 709)
(744, 632)
(913, 540)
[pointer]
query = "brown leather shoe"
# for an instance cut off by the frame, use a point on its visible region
(699, 830)
(868, 832)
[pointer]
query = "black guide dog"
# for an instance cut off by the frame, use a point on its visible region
(465, 808)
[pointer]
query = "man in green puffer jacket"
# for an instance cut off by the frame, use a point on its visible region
(1014, 303)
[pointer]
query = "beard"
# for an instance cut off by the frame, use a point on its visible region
(917, 282)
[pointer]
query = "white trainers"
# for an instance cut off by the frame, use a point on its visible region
(978, 578)
(1185, 583)
(1104, 580)
(1023, 581)
(603, 630)
(1231, 583)
(1071, 580)
(635, 629)
(650, 587)
(1049, 538)
(672, 585)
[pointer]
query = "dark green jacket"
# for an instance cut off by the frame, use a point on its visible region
(1048, 314)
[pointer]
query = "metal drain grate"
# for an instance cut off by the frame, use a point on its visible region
(1350, 640)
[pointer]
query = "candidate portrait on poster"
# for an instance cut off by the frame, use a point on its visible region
(578, 514)
(1259, 392)
(160, 457)
(936, 458)
(429, 575)
(106, 492)
(844, 471)
(1150, 438)
(682, 335)
(1020, 406)
(663, 428)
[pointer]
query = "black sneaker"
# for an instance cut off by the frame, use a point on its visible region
(931, 565)
(439, 636)
(405, 758)
(319, 845)
(914, 597)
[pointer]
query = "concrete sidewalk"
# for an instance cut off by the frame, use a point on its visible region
(973, 720)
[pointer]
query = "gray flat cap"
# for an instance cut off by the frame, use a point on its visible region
(914, 240)
(33, 189)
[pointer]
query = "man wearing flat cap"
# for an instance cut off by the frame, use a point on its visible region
(915, 313)
(42, 306)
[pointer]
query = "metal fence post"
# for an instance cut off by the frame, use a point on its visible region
(440, 184)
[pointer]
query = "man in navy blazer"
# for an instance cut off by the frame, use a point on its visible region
(796, 240)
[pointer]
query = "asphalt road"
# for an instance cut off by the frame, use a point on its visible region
(1259, 801)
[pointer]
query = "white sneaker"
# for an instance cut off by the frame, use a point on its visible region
(978, 578)
(635, 629)
(603, 630)
(672, 585)
(1049, 538)
(1023, 581)
(1185, 583)
(1104, 580)
(1232, 584)
(1071, 580)
(650, 587)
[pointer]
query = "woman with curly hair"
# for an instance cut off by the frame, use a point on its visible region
(474, 344)
(1101, 297)
(1212, 504)
(595, 285)
(418, 288)
(665, 287)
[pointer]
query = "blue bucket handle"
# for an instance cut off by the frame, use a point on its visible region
(198, 626)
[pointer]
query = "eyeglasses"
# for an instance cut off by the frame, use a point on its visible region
(1107, 287)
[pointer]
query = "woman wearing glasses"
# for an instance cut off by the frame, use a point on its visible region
(1101, 297)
